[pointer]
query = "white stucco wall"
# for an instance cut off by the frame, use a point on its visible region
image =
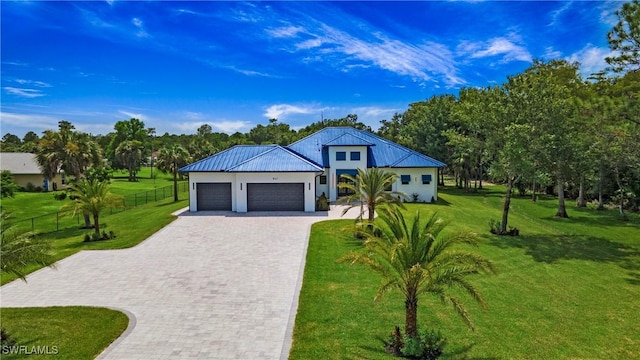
(210, 177)
(347, 164)
(425, 191)
(239, 186)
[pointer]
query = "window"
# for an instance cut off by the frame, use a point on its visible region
(341, 155)
(323, 179)
(405, 179)
(389, 187)
(355, 155)
(341, 190)
(426, 179)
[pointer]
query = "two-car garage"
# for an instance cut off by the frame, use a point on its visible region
(259, 196)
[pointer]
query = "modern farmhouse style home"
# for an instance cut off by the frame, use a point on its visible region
(290, 178)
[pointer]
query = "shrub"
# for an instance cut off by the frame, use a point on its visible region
(322, 204)
(414, 197)
(494, 228)
(97, 237)
(7, 184)
(60, 195)
(5, 339)
(87, 238)
(428, 345)
(29, 187)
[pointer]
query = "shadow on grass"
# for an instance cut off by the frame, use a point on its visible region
(552, 248)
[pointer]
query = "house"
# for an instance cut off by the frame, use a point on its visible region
(25, 170)
(290, 178)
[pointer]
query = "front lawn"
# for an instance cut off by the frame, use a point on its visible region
(131, 227)
(567, 288)
(61, 332)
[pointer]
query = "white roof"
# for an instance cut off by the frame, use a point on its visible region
(19, 163)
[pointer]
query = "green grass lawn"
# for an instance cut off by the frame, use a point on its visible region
(64, 332)
(567, 288)
(131, 227)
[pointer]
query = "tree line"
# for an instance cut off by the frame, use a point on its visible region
(546, 129)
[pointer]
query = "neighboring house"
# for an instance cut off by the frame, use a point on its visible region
(25, 170)
(290, 178)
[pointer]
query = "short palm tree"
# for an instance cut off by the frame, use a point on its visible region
(170, 159)
(92, 197)
(369, 188)
(417, 259)
(20, 249)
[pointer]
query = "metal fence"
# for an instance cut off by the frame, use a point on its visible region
(59, 221)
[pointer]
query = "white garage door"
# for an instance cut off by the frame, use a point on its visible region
(275, 197)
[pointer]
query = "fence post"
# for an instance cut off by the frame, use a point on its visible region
(155, 197)
(57, 221)
(135, 199)
(32, 225)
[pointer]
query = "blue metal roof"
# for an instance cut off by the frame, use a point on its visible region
(348, 139)
(277, 159)
(253, 158)
(311, 154)
(381, 152)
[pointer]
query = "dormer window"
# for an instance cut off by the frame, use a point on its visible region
(355, 155)
(341, 155)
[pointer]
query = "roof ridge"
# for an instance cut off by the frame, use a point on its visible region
(274, 147)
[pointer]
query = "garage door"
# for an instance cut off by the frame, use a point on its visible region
(213, 196)
(275, 197)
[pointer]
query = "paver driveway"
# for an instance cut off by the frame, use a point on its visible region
(210, 286)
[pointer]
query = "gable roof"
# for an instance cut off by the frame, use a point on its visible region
(19, 163)
(253, 158)
(311, 154)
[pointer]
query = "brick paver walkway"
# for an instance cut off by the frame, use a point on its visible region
(207, 286)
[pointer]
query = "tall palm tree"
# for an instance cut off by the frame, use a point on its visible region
(369, 188)
(68, 150)
(92, 197)
(129, 153)
(170, 159)
(417, 259)
(19, 249)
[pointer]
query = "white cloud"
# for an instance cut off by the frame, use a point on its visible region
(32, 82)
(374, 112)
(230, 127)
(280, 111)
(506, 47)
(141, 33)
(248, 72)
(285, 32)
(557, 14)
(591, 59)
(131, 115)
(551, 53)
(22, 92)
(31, 122)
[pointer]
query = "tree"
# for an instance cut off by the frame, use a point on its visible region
(7, 185)
(416, 258)
(204, 130)
(369, 188)
(70, 151)
(126, 130)
(170, 159)
(20, 249)
(92, 197)
(624, 39)
(129, 155)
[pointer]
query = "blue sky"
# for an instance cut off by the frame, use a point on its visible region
(178, 65)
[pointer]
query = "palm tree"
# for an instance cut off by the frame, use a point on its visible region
(170, 159)
(92, 197)
(417, 259)
(68, 150)
(19, 249)
(129, 153)
(370, 188)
